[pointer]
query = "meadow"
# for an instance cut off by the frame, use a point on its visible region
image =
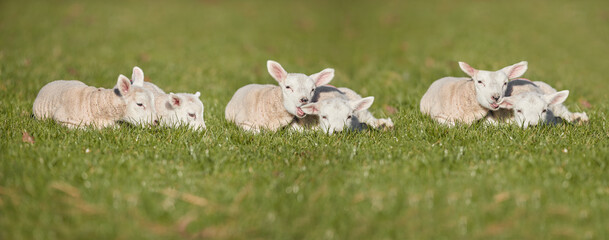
(417, 181)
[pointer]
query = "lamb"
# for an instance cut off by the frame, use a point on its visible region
(173, 109)
(529, 108)
(255, 107)
(338, 108)
(530, 103)
(561, 110)
(74, 104)
(450, 99)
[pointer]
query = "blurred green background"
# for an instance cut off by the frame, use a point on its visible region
(418, 181)
(215, 45)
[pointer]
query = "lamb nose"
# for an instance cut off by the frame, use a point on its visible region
(304, 100)
(496, 98)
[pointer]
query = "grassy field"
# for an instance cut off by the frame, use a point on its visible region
(419, 181)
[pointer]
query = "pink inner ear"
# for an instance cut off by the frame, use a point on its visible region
(559, 98)
(515, 71)
(361, 106)
(278, 73)
(175, 101)
(126, 85)
(468, 69)
(321, 77)
(472, 71)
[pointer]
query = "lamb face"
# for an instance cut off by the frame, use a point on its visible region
(139, 102)
(184, 108)
(531, 108)
(176, 109)
(336, 114)
(490, 86)
(297, 89)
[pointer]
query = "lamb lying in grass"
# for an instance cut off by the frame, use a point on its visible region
(255, 107)
(74, 104)
(450, 100)
(173, 109)
(560, 110)
(530, 103)
(334, 109)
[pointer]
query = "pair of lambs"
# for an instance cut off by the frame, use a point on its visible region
(497, 97)
(74, 104)
(300, 101)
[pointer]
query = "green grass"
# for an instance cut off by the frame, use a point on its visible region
(419, 181)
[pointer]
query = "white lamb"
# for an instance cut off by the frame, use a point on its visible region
(529, 103)
(74, 104)
(334, 109)
(560, 110)
(529, 108)
(255, 107)
(173, 109)
(450, 100)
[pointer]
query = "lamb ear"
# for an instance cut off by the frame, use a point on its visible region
(137, 77)
(276, 71)
(197, 94)
(557, 98)
(311, 108)
(506, 103)
(324, 77)
(516, 70)
(175, 100)
(362, 104)
(467, 69)
(123, 84)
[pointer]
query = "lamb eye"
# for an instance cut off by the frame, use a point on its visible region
(287, 87)
(520, 111)
(349, 117)
(312, 90)
(544, 111)
(140, 104)
(192, 115)
(504, 84)
(480, 82)
(324, 117)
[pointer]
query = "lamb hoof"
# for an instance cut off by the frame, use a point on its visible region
(385, 124)
(580, 118)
